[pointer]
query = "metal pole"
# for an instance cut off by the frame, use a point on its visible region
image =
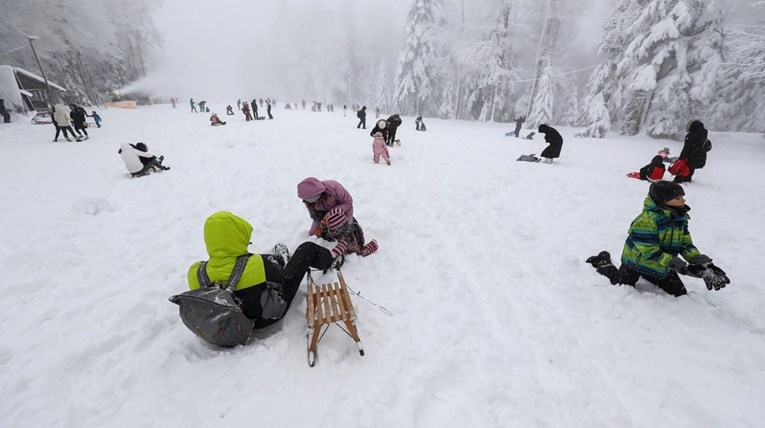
(47, 85)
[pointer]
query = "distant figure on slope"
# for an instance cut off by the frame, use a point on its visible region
(554, 140)
(254, 107)
(139, 161)
(173, 101)
(303, 104)
(348, 234)
(653, 171)
(345, 109)
(246, 111)
(4, 112)
(215, 120)
(63, 122)
(393, 123)
(96, 118)
(202, 108)
(193, 107)
(320, 197)
(78, 115)
(268, 109)
(655, 239)
(518, 124)
(362, 115)
(382, 127)
(239, 104)
(419, 125)
(380, 149)
(229, 110)
(694, 150)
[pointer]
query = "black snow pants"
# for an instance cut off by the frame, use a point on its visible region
(671, 284)
(392, 135)
(306, 255)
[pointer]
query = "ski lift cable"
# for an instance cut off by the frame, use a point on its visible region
(558, 75)
(13, 50)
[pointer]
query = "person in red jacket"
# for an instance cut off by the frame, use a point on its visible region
(654, 170)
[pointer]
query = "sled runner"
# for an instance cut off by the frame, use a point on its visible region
(329, 304)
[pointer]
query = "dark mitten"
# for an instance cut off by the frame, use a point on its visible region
(715, 277)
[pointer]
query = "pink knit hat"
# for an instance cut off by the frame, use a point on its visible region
(335, 219)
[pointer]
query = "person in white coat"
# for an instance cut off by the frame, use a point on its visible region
(61, 120)
(139, 161)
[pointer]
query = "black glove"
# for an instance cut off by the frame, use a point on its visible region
(714, 277)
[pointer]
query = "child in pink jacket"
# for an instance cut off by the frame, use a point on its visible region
(379, 148)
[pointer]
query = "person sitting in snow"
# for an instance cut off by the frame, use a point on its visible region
(555, 141)
(651, 172)
(215, 120)
(269, 282)
(139, 161)
(656, 238)
(319, 198)
(348, 234)
(419, 125)
(380, 149)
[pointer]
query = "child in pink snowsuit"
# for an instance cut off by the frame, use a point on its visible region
(379, 148)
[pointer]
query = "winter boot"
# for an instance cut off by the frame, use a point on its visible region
(67, 139)
(282, 254)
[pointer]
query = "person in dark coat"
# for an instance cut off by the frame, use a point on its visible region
(268, 109)
(518, 125)
(393, 123)
(4, 112)
(554, 140)
(695, 149)
(78, 115)
(362, 115)
(382, 127)
(254, 107)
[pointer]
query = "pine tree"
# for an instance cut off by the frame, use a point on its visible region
(542, 110)
(421, 61)
(381, 90)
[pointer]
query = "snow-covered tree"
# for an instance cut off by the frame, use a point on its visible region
(542, 110)
(448, 95)
(421, 62)
(381, 89)
(599, 120)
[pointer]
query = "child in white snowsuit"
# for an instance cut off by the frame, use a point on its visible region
(380, 149)
(349, 236)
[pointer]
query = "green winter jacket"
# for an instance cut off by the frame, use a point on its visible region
(227, 237)
(655, 236)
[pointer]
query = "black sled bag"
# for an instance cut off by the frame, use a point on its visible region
(213, 312)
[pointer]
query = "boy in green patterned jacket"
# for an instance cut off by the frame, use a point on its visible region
(656, 237)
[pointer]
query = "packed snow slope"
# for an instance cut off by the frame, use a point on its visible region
(497, 321)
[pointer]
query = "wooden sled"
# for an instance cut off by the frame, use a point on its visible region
(329, 304)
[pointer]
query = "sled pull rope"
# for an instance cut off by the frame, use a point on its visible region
(382, 309)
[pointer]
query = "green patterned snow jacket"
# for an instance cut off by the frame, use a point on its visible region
(655, 236)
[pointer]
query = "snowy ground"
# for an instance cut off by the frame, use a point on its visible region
(497, 321)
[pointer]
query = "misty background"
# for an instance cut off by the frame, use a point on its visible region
(490, 60)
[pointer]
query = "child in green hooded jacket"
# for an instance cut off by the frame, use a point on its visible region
(656, 238)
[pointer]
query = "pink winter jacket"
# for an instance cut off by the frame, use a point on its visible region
(333, 195)
(378, 145)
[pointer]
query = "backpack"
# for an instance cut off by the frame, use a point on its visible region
(213, 312)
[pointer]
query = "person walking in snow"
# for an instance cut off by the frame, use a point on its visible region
(4, 112)
(377, 112)
(393, 123)
(246, 111)
(319, 197)
(78, 115)
(555, 141)
(348, 234)
(96, 118)
(193, 108)
(345, 109)
(269, 282)
(382, 127)
(303, 104)
(173, 101)
(518, 124)
(254, 107)
(139, 161)
(62, 120)
(239, 104)
(362, 115)
(380, 149)
(268, 109)
(655, 240)
(694, 150)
